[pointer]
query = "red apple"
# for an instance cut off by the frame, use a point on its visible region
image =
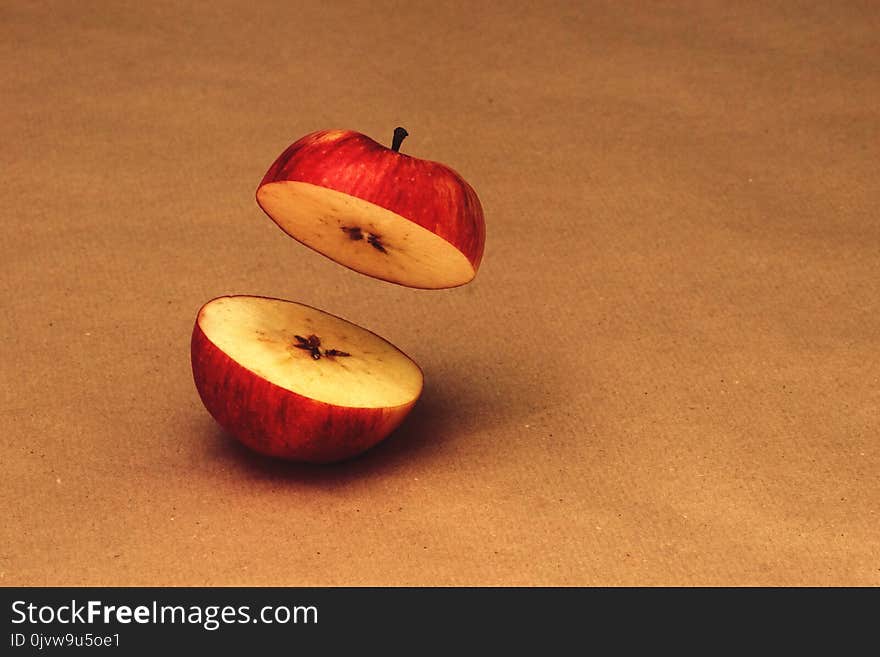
(297, 383)
(376, 210)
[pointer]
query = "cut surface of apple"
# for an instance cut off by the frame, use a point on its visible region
(261, 335)
(292, 381)
(375, 210)
(364, 236)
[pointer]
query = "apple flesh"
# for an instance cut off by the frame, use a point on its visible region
(291, 381)
(376, 210)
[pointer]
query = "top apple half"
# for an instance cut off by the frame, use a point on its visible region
(376, 210)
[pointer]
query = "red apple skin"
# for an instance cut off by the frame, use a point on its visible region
(280, 423)
(427, 193)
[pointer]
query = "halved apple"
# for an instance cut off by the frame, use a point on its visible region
(295, 382)
(376, 210)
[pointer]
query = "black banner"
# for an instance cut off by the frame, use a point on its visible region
(146, 620)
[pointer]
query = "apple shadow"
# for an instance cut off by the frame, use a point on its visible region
(453, 406)
(431, 422)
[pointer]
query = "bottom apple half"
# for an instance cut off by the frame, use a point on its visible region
(265, 376)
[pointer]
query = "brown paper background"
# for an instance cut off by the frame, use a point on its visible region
(666, 371)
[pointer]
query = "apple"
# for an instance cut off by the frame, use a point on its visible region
(376, 210)
(294, 382)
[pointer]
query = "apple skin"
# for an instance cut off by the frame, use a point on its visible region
(278, 422)
(427, 193)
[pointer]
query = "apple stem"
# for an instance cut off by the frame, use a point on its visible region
(399, 135)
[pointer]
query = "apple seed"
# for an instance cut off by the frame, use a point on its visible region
(313, 344)
(353, 233)
(376, 243)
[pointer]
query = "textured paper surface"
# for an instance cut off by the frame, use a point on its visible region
(666, 371)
